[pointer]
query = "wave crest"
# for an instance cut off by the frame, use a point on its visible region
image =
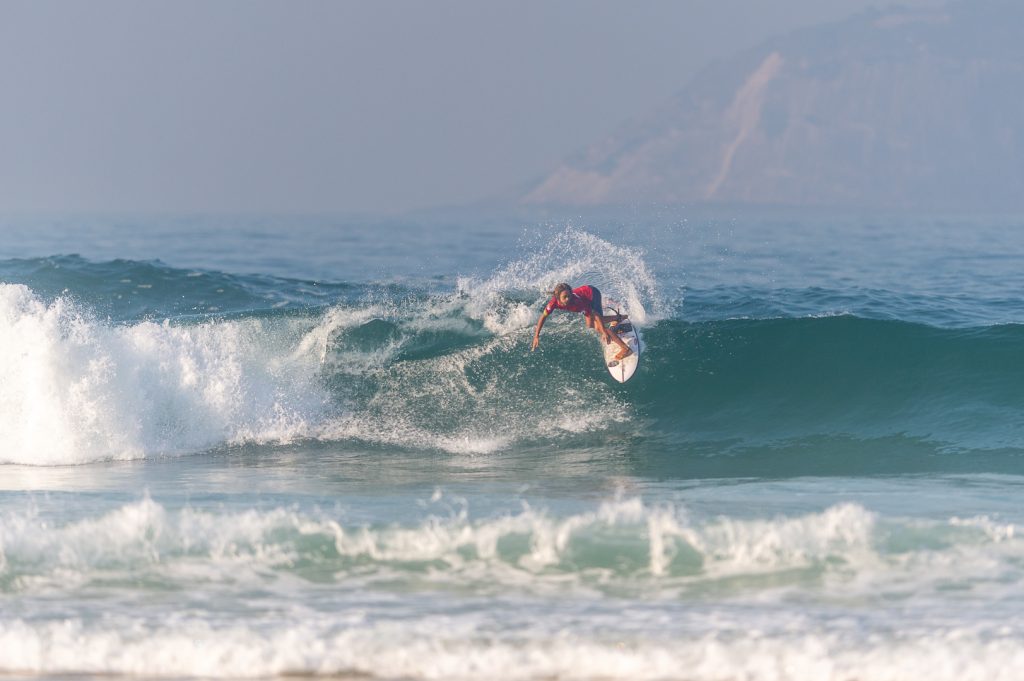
(75, 389)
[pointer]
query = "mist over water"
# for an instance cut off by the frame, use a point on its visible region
(252, 469)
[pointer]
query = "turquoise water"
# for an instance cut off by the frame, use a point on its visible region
(253, 447)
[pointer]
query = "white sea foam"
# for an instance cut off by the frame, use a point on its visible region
(75, 389)
(996, 531)
(471, 645)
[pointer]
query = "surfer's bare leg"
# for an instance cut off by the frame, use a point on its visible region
(624, 350)
(592, 324)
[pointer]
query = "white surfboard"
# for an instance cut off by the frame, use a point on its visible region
(623, 369)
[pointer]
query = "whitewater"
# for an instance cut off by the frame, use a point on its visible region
(262, 447)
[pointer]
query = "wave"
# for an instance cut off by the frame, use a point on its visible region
(668, 572)
(936, 309)
(839, 375)
(426, 367)
(453, 372)
(409, 368)
(623, 547)
(128, 290)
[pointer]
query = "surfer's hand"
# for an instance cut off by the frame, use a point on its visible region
(536, 342)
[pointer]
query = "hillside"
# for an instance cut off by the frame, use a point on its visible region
(891, 108)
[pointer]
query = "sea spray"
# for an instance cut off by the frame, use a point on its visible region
(578, 257)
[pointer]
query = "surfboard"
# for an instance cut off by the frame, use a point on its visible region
(622, 370)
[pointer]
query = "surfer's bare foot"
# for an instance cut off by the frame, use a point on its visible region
(624, 353)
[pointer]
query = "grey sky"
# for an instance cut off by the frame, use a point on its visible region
(253, 105)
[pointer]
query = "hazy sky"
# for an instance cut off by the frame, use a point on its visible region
(305, 105)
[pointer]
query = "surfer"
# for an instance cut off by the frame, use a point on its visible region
(585, 299)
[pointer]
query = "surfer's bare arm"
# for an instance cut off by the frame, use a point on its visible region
(536, 334)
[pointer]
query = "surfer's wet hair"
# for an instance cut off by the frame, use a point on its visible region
(561, 287)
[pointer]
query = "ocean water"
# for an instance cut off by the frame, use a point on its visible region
(254, 447)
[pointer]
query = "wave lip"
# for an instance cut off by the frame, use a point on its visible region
(131, 290)
(74, 389)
